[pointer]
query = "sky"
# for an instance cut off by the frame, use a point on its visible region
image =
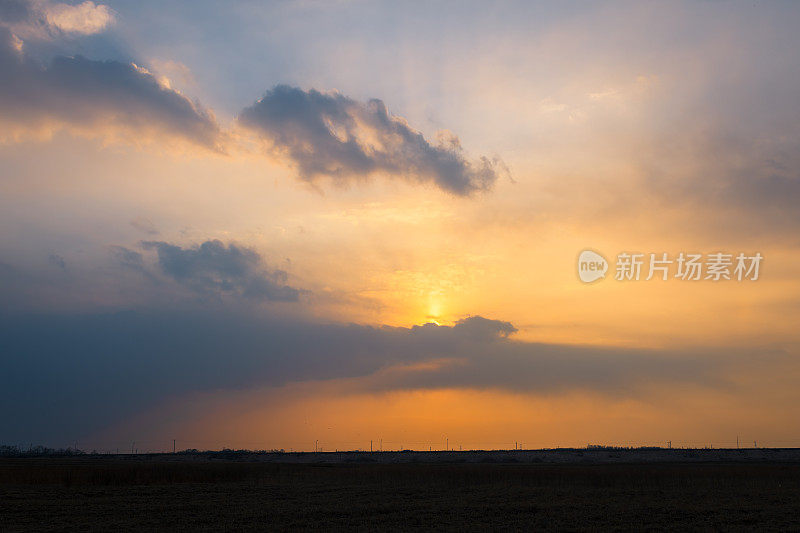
(281, 225)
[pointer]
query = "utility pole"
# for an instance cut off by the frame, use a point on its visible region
(737, 442)
(370, 445)
(446, 443)
(173, 445)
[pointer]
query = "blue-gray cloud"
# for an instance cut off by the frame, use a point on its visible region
(331, 135)
(14, 11)
(127, 258)
(478, 327)
(215, 268)
(68, 373)
(76, 92)
(73, 374)
(58, 261)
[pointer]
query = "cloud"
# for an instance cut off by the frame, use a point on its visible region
(72, 369)
(215, 269)
(14, 11)
(145, 225)
(70, 374)
(127, 258)
(85, 18)
(478, 327)
(44, 19)
(58, 261)
(331, 135)
(750, 182)
(211, 275)
(104, 98)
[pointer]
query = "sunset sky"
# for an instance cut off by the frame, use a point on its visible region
(266, 224)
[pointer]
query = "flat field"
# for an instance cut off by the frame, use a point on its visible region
(213, 492)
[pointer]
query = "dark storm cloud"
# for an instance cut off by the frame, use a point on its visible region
(67, 375)
(214, 268)
(329, 134)
(86, 94)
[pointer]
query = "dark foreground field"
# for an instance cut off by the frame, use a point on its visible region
(97, 493)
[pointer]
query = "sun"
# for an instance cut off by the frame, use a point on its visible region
(434, 311)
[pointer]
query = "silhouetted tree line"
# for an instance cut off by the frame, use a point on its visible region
(37, 451)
